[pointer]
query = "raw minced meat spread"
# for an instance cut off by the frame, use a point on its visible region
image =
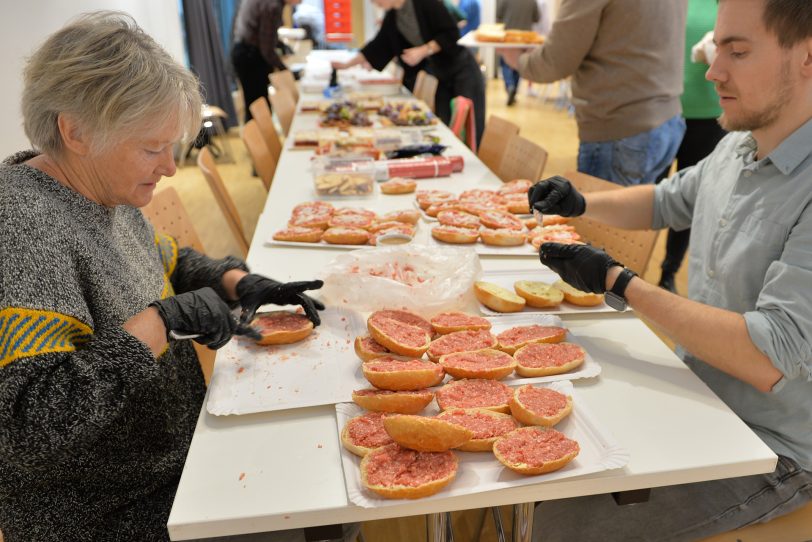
(396, 466)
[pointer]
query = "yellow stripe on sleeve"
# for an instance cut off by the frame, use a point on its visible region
(29, 332)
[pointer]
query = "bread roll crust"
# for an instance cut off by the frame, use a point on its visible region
(282, 336)
(425, 434)
(402, 402)
(528, 371)
(401, 491)
(403, 380)
(490, 373)
(577, 297)
(479, 444)
(497, 298)
(524, 468)
(524, 414)
(538, 294)
(378, 332)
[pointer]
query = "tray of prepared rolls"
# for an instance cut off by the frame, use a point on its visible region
(458, 444)
(533, 292)
(393, 350)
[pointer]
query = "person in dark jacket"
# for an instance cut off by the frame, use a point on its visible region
(423, 36)
(254, 54)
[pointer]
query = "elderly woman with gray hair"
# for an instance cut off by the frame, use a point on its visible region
(97, 402)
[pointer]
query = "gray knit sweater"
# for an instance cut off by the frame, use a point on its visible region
(93, 429)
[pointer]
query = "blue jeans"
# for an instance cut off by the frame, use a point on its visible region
(638, 159)
(677, 513)
(510, 75)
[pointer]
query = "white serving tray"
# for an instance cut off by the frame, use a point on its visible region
(543, 274)
(324, 368)
(481, 471)
(251, 378)
(469, 40)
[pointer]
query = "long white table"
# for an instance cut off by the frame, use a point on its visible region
(282, 470)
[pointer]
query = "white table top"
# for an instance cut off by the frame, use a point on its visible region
(282, 470)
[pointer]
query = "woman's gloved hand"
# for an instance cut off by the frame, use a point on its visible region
(201, 312)
(582, 266)
(256, 290)
(556, 196)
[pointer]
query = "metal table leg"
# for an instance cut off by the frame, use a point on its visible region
(523, 522)
(436, 527)
(497, 523)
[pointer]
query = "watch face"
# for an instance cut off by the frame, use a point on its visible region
(615, 301)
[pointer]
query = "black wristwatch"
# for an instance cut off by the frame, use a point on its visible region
(616, 297)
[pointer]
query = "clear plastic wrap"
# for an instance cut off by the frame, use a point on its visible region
(421, 278)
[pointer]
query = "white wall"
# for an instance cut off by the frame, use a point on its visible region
(26, 24)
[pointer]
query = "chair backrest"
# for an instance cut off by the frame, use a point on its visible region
(462, 121)
(264, 162)
(261, 112)
(426, 88)
(284, 107)
(284, 81)
(167, 215)
(205, 162)
(495, 138)
(419, 81)
(522, 159)
(632, 247)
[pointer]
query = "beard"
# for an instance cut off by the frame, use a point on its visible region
(749, 121)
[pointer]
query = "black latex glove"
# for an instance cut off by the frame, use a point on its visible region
(556, 196)
(256, 290)
(582, 266)
(201, 312)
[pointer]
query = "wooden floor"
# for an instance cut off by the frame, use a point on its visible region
(544, 123)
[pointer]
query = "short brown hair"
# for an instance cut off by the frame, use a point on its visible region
(112, 76)
(789, 20)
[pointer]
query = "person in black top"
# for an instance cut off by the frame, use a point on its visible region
(423, 35)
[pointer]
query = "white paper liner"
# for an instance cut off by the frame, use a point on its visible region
(543, 274)
(481, 471)
(251, 378)
(324, 368)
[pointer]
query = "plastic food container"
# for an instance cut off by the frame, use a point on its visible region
(344, 176)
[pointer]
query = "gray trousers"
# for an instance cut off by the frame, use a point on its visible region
(351, 531)
(677, 513)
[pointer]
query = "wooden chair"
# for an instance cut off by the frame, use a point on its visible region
(167, 215)
(284, 81)
(284, 107)
(264, 162)
(495, 138)
(261, 112)
(205, 162)
(631, 247)
(425, 88)
(521, 159)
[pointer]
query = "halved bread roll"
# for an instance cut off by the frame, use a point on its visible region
(577, 297)
(425, 434)
(514, 338)
(455, 235)
(394, 472)
(503, 237)
(544, 359)
(535, 450)
(299, 234)
(365, 433)
(367, 348)
(449, 322)
(497, 298)
(486, 425)
(341, 235)
(538, 294)
(388, 373)
(399, 402)
(474, 393)
(282, 327)
(488, 363)
(399, 337)
(538, 406)
(460, 341)
(398, 185)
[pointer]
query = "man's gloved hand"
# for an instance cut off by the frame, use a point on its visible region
(256, 290)
(199, 312)
(582, 266)
(556, 196)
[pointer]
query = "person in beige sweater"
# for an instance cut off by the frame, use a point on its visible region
(625, 60)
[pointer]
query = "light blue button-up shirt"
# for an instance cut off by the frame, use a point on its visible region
(751, 253)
